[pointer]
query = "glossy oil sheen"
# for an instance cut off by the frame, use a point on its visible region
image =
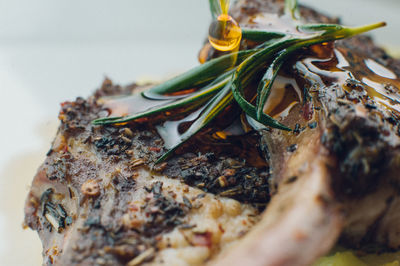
(341, 67)
(285, 94)
(127, 105)
(323, 65)
(224, 33)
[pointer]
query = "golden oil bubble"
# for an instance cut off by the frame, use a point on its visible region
(224, 33)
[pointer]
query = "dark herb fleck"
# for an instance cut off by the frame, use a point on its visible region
(313, 125)
(296, 129)
(187, 202)
(292, 148)
(291, 179)
(163, 212)
(68, 220)
(222, 175)
(370, 106)
(93, 221)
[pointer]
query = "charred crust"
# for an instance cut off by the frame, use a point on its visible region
(59, 167)
(359, 133)
(361, 148)
(76, 116)
(162, 213)
(83, 153)
(223, 176)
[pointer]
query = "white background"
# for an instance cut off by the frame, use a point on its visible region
(53, 50)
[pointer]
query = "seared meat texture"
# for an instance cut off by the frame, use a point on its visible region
(335, 177)
(98, 199)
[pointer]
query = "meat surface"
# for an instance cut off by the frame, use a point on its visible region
(335, 177)
(98, 199)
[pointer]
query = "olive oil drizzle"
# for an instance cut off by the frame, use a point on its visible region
(222, 84)
(381, 84)
(224, 33)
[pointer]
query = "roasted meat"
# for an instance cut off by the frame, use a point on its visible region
(268, 197)
(98, 199)
(335, 177)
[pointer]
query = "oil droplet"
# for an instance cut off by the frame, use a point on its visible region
(224, 33)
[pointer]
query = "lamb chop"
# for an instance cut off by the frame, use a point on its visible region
(336, 175)
(99, 198)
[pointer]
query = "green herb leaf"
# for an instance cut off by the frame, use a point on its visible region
(264, 88)
(213, 108)
(193, 100)
(250, 109)
(201, 74)
(311, 28)
(258, 35)
(333, 32)
(215, 8)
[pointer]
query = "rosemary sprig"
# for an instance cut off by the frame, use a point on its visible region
(264, 88)
(237, 91)
(221, 81)
(318, 27)
(331, 32)
(193, 101)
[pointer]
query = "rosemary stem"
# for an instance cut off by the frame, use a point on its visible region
(193, 101)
